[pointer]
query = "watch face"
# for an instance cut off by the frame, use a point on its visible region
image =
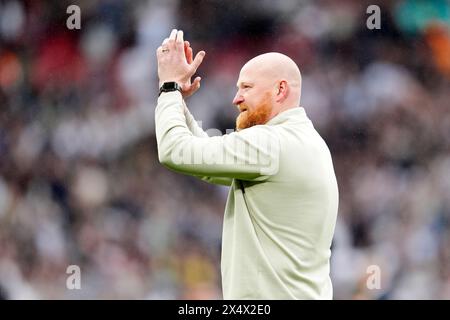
(169, 86)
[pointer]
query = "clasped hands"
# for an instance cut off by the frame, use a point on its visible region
(176, 63)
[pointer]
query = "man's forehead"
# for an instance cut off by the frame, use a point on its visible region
(247, 75)
(248, 68)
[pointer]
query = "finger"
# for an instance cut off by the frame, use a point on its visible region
(179, 38)
(186, 51)
(189, 55)
(173, 34)
(165, 41)
(198, 59)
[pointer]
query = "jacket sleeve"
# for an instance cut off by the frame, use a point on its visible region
(197, 131)
(250, 154)
(192, 123)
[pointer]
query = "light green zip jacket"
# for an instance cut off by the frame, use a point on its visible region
(282, 206)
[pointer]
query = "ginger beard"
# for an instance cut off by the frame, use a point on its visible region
(256, 115)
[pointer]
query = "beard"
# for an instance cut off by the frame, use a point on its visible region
(255, 116)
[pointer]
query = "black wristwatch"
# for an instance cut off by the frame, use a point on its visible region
(169, 86)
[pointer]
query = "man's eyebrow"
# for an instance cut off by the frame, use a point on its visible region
(243, 83)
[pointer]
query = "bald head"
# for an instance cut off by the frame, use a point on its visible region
(268, 85)
(274, 66)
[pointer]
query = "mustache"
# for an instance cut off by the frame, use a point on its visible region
(242, 107)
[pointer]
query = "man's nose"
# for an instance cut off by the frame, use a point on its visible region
(238, 99)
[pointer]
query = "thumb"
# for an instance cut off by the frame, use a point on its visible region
(196, 83)
(185, 87)
(198, 60)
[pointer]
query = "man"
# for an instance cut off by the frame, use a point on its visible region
(282, 206)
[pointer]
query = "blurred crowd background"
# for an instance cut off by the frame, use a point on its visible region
(80, 183)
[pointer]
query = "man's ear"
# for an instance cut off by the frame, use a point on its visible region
(282, 91)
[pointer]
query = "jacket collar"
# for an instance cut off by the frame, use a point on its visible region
(297, 114)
